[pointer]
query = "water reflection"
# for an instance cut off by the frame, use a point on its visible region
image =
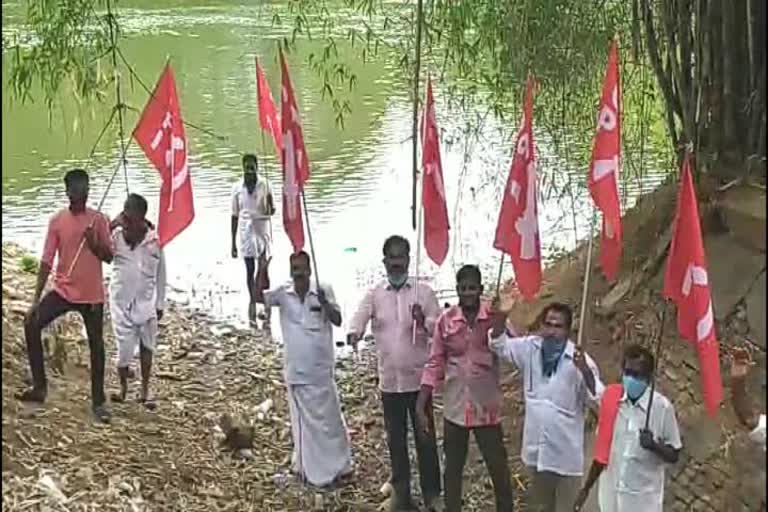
(360, 189)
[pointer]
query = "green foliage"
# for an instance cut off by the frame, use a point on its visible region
(29, 263)
(63, 52)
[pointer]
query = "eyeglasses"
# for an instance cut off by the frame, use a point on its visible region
(553, 325)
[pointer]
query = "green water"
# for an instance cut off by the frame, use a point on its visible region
(360, 189)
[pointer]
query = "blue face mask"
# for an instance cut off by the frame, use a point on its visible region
(552, 347)
(633, 386)
(397, 280)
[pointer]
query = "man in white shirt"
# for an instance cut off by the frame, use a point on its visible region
(252, 206)
(137, 293)
(321, 448)
(633, 479)
(741, 404)
(559, 381)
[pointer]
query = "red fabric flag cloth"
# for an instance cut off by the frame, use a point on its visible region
(432, 187)
(609, 409)
(687, 284)
(268, 118)
(295, 162)
(604, 168)
(160, 133)
(517, 230)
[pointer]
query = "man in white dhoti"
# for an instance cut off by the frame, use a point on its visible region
(137, 293)
(252, 206)
(321, 447)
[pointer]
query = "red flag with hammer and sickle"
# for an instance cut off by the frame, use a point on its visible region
(160, 133)
(604, 168)
(432, 187)
(686, 282)
(517, 230)
(295, 162)
(268, 118)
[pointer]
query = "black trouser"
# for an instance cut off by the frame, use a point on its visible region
(250, 277)
(490, 440)
(50, 308)
(397, 408)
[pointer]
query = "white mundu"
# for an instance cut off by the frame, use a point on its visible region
(251, 211)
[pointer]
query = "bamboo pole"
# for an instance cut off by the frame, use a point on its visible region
(415, 126)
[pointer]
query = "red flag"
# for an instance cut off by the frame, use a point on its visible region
(517, 231)
(268, 118)
(604, 168)
(160, 133)
(295, 162)
(432, 188)
(686, 282)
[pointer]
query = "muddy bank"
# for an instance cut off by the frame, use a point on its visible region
(56, 456)
(715, 452)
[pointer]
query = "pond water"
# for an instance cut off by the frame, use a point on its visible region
(360, 188)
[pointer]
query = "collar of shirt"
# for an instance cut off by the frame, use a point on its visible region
(291, 289)
(570, 347)
(455, 319)
(642, 403)
(388, 286)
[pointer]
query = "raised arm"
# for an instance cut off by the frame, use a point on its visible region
(511, 348)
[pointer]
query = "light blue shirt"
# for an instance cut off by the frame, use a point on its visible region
(553, 433)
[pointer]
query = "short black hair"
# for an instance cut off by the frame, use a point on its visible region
(469, 272)
(250, 157)
(396, 240)
(563, 309)
(75, 176)
(136, 203)
(300, 254)
(637, 351)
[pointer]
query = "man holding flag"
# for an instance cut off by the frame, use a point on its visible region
(630, 459)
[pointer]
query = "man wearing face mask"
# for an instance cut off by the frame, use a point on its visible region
(252, 206)
(632, 478)
(461, 362)
(392, 307)
(559, 380)
(78, 239)
(321, 449)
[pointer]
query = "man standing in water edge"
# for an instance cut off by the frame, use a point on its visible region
(252, 206)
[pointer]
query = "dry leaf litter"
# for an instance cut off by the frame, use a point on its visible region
(208, 378)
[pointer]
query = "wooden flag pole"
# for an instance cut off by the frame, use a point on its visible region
(498, 278)
(657, 355)
(419, 222)
(585, 288)
(309, 235)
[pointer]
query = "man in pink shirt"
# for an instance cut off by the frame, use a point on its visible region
(468, 371)
(77, 286)
(393, 306)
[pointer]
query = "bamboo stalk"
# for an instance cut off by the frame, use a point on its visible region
(415, 126)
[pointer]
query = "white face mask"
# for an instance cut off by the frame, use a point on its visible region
(397, 280)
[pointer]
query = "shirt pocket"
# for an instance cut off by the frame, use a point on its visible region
(314, 318)
(563, 390)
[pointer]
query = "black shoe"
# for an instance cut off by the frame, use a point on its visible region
(36, 395)
(102, 413)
